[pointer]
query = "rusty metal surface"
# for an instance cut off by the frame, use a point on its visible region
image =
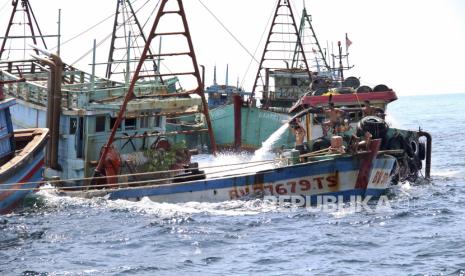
(144, 56)
(281, 4)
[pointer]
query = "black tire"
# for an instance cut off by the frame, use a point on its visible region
(345, 90)
(352, 82)
(364, 89)
(376, 126)
(320, 91)
(422, 151)
(320, 144)
(381, 88)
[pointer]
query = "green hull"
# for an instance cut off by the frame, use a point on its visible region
(257, 126)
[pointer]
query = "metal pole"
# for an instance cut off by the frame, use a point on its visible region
(237, 121)
(128, 65)
(59, 32)
(200, 88)
(92, 77)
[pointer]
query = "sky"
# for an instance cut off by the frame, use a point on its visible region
(415, 47)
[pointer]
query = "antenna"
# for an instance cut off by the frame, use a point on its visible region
(214, 75)
(227, 74)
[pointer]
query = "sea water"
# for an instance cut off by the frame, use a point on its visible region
(420, 234)
(233, 163)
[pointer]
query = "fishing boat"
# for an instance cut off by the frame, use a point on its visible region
(344, 176)
(332, 171)
(21, 157)
(223, 94)
(312, 83)
(81, 109)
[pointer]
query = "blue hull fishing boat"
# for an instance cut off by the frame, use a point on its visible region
(329, 171)
(365, 174)
(21, 159)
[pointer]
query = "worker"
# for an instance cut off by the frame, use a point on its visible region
(335, 116)
(368, 110)
(299, 133)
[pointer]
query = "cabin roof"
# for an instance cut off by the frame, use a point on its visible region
(345, 99)
(7, 103)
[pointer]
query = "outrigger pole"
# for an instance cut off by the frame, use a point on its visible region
(144, 56)
(280, 12)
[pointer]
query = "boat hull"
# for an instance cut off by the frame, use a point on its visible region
(22, 172)
(256, 126)
(334, 176)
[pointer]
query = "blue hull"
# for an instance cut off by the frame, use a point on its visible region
(22, 172)
(336, 177)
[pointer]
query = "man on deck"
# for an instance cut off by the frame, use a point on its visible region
(334, 115)
(299, 133)
(368, 110)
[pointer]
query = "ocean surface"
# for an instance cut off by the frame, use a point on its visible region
(422, 233)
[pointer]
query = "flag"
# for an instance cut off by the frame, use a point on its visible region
(348, 42)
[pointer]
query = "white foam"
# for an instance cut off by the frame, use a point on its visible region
(160, 210)
(265, 152)
(392, 121)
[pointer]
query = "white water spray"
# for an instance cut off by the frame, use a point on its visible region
(264, 152)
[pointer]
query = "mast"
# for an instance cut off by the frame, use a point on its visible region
(140, 74)
(275, 46)
(126, 22)
(313, 43)
(29, 20)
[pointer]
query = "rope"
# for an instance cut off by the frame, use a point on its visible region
(256, 49)
(4, 6)
(88, 29)
(136, 174)
(106, 38)
(228, 31)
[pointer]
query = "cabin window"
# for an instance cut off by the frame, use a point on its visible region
(130, 123)
(72, 126)
(112, 123)
(294, 81)
(157, 121)
(144, 120)
(100, 123)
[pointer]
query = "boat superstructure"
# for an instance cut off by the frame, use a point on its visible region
(81, 109)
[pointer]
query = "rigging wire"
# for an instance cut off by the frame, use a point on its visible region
(229, 32)
(256, 49)
(88, 29)
(4, 6)
(104, 40)
(134, 41)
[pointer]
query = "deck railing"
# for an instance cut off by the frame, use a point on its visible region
(79, 89)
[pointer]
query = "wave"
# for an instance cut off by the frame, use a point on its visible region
(51, 200)
(450, 174)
